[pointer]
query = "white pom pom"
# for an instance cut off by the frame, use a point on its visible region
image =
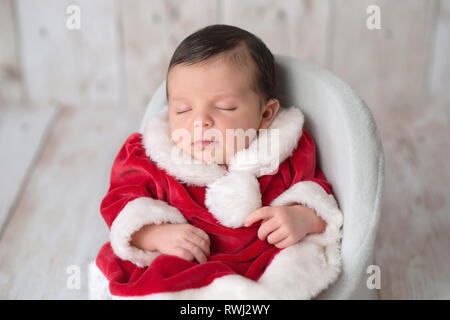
(232, 198)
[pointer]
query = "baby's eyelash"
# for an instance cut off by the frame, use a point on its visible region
(226, 109)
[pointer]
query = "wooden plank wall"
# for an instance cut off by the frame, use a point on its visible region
(70, 98)
(10, 77)
(70, 67)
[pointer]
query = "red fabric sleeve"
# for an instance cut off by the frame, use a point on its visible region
(133, 175)
(303, 164)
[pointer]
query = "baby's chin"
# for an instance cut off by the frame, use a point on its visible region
(209, 155)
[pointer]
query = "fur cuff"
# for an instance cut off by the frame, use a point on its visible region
(312, 195)
(137, 213)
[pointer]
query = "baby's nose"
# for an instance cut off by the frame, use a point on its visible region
(203, 122)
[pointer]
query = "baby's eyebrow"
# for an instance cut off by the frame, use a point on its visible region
(226, 95)
(220, 95)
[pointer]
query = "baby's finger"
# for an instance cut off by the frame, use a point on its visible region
(258, 214)
(267, 227)
(201, 233)
(201, 242)
(286, 242)
(276, 236)
(195, 251)
(184, 254)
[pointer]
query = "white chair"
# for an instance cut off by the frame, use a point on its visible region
(349, 153)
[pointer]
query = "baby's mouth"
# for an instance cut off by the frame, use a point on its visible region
(202, 144)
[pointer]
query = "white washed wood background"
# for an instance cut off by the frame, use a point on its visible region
(68, 99)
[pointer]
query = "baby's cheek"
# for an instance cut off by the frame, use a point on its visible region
(236, 143)
(182, 139)
(225, 155)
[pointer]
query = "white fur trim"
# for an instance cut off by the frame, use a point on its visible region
(98, 284)
(136, 214)
(272, 146)
(231, 198)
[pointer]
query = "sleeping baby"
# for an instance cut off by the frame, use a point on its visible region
(220, 196)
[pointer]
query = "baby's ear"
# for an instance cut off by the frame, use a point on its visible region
(269, 112)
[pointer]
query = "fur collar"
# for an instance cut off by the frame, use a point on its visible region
(257, 158)
(230, 195)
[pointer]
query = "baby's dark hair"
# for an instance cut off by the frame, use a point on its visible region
(218, 39)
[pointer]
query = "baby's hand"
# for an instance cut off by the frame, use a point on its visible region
(285, 225)
(180, 239)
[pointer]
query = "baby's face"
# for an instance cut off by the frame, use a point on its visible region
(212, 97)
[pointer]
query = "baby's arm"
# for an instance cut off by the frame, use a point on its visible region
(306, 207)
(135, 200)
(182, 240)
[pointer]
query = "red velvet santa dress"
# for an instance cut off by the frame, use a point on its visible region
(151, 182)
